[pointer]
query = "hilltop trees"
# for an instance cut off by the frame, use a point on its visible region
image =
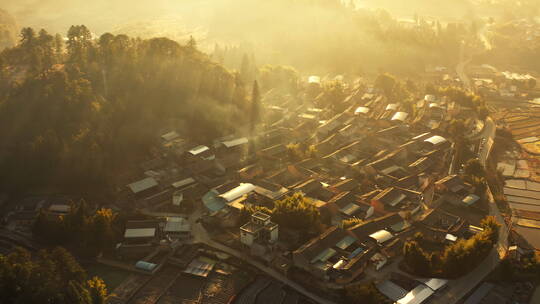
(47, 277)
(75, 126)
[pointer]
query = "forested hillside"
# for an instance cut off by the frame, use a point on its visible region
(73, 114)
(334, 37)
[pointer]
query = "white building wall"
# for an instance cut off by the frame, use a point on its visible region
(246, 238)
(274, 235)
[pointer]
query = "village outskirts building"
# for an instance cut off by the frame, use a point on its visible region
(259, 230)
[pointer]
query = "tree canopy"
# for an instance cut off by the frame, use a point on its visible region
(47, 277)
(76, 115)
(457, 258)
(88, 233)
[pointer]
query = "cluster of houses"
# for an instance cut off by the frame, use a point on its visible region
(504, 86)
(385, 165)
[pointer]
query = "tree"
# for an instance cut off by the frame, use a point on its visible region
(296, 212)
(483, 112)
(255, 106)
(72, 120)
(415, 258)
(28, 37)
(58, 47)
(473, 168)
(46, 49)
(90, 235)
(48, 277)
(351, 222)
(386, 83)
(79, 44)
(245, 69)
(278, 77)
(192, 44)
(364, 294)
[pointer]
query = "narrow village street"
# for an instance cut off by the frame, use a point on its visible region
(200, 235)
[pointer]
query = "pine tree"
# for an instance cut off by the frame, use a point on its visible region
(255, 107)
(245, 69)
(192, 44)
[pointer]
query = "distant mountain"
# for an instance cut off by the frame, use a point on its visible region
(8, 30)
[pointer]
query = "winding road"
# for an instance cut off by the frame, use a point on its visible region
(200, 235)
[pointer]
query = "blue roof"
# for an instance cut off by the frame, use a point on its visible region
(145, 265)
(356, 252)
(345, 242)
(212, 201)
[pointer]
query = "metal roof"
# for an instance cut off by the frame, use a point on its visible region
(430, 98)
(381, 236)
(324, 255)
(170, 136)
(345, 242)
(434, 283)
(391, 106)
(470, 199)
(350, 209)
(143, 185)
(436, 140)
(198, 150)
(363, 110)
(140, 232)
(450, 237)
(235, 142)
(183, 182)
(314, 79)
(237, 192)
(177, 224)
(200, 267)
(58, 208)
(212, 201)
(401, 116)
(145, 265)
(417, 296)
(391, 290)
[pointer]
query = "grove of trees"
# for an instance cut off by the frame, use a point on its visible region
(74, 115)
(456, 259)
(89, 234)
(293, 212)
(49, 276)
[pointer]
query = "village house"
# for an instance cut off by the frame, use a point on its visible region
(346, 205)
(393, 199)
(140, 238)
(334, 256)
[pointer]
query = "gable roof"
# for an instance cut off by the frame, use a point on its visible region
(328, 239)
(390, 196)
(143, 185)
(363, 230)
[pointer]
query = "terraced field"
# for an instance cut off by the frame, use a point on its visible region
(523, 122)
